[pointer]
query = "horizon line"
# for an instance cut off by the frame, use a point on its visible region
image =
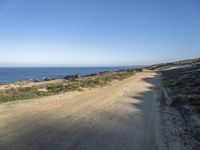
(72, 66)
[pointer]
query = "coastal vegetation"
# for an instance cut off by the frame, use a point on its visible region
(163, 66)
(181, 80)
(75, 83)
(184, 86)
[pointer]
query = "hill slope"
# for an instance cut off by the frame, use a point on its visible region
(182, 82)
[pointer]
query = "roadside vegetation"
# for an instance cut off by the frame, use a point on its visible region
(184, 85)
(180, 63)
(53, 88)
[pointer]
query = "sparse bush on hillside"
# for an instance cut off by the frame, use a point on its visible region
(184, 85)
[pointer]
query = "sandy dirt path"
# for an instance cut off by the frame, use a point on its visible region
(123, 116)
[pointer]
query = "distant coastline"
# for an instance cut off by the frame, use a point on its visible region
(19, 74)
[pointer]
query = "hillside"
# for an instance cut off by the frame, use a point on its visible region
(176, 64)
(181, 79)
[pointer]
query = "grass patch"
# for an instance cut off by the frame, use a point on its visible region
(24, 93)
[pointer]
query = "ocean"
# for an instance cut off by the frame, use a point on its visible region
(8, 75)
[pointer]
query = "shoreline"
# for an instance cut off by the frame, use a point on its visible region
(62, 76)
(29, 89)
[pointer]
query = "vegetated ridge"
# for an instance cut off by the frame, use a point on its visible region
(182, 82)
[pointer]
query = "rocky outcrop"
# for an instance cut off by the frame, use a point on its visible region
(72, 77)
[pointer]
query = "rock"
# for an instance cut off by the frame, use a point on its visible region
(69, 77)
(92, 74)
(72, 77)
(77, 76)
(46, 79)
(35, 80)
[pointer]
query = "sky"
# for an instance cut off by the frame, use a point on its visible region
(70, 33)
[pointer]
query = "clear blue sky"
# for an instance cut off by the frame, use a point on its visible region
(98, 32)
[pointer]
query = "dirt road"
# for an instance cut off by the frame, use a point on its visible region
(123, 116)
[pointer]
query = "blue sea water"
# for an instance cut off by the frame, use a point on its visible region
(8, 75)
